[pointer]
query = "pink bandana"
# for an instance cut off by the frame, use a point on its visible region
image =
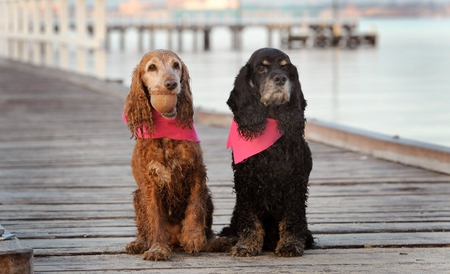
(167, 128)
(243, 149)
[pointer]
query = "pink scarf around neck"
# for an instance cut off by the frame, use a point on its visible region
(243, 149)
(166, 128)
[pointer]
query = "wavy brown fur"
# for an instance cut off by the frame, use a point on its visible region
(172, 202)
(138, 109)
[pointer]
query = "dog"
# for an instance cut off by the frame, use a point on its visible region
(172, 202)
(271, 160)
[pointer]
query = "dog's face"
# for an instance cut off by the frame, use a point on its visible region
(270, 76)
(267, 86)
(161, 72)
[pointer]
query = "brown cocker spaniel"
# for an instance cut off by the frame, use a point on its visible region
(172, 202)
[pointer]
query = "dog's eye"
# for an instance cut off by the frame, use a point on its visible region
(152, 67)
(176, 65)
(262, 69)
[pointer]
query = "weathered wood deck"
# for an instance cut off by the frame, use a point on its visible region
(66, 183)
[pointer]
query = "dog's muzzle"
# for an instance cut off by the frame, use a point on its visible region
(275, 90)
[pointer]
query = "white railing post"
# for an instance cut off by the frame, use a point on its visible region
(99, 24)
(63, 24)
(49, 54)
(25, 31)
(21, 36)
(3, 29)
(36, 22)
(80, 10)
(15, 30)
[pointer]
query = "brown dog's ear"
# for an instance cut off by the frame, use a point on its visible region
(185, 108)
(137, 107)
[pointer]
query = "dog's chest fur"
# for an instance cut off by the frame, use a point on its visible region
(165, 161)
(269, 177)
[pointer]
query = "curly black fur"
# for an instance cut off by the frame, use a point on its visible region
(272, 186)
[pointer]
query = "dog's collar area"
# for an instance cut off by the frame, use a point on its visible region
(243, 149)
(166, 128)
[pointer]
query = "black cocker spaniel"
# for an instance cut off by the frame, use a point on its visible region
(270, 181)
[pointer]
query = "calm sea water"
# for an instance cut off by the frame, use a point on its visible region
(400, 87)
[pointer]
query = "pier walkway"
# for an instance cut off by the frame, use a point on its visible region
(66, 183)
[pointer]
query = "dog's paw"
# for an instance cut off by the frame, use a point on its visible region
(195, 243)
(136, 247)
(220, 244)
(157, 253)
(244, 250)
(289, 249)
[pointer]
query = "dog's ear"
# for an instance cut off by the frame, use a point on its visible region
(137, 108)
(297, 89)
(185, 108)
(290, 117)
(245, 103)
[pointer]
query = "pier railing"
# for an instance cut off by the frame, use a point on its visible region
(73, 35)
(38, 32)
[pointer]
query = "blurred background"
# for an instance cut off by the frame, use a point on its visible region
(399, 85)
(378, 65)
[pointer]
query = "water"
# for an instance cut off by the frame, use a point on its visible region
(401, 87)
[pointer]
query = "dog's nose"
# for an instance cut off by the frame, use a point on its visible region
(170, 84)
(279, 79)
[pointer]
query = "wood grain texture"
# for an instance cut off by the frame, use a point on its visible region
(15, 258)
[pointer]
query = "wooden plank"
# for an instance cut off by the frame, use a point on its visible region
(116, 245)
(408, 152)
(113, 229)
(15, 258)
(369, 260)
(222, 216)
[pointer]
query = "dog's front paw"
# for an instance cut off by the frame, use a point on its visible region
(245, 250)
(289, 249)
(136, 247)
(157, 253)
(193, 242)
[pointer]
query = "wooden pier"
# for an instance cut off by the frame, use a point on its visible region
(66, 183)
(313, 34)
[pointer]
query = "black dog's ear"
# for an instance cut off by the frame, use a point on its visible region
(297, 98)
(244, 101)
(290, 117)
